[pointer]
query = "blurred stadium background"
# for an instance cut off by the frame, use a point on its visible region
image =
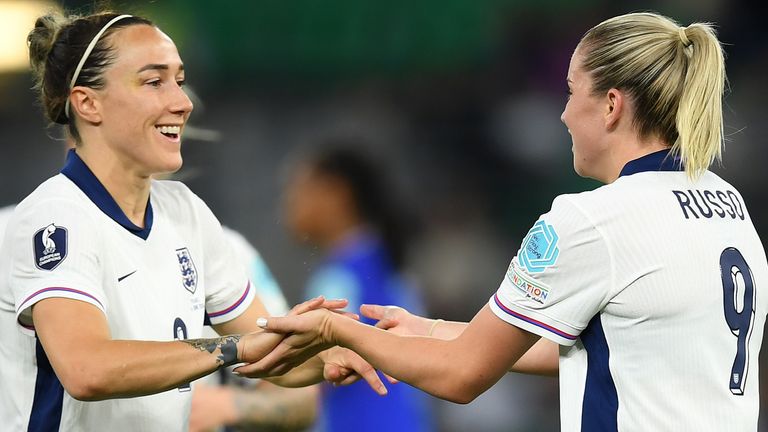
(461, 99)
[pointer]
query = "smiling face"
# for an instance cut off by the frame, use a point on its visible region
(143, 107)
(584, 115)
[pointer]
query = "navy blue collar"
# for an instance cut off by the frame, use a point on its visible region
(77, 171)
(656, 161)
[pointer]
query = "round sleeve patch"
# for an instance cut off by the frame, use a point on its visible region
(50, 246)
(539, 249)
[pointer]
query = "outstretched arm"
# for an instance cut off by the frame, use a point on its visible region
(457, 370)
(542, 359)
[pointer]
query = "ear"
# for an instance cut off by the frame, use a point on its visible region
(84, 101)
(614, 108)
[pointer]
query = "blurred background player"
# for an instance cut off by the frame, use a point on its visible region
(340, 201)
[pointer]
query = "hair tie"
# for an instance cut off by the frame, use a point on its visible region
(88, 53)
(683, 37)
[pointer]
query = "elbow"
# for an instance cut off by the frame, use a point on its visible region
(84, 385)
(462, 390)
(462, 397)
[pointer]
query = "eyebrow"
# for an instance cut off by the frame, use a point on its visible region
(157, 66)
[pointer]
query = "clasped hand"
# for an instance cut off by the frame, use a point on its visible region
(307, 333)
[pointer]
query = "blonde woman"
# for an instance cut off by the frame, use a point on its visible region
(642, 294)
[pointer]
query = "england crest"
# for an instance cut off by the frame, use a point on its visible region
(50, 247)
(188, 270)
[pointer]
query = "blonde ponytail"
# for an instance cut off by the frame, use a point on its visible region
(699, 119)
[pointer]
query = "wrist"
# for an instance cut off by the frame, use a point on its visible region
(330, 328)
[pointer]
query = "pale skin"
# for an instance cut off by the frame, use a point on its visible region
(604, 140)
(121, 144)
(541, 359)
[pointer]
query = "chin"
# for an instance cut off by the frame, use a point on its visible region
(167, 169)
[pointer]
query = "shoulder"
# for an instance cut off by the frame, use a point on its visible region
(54, 197)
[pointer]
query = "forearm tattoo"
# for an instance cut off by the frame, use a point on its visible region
(227, 346)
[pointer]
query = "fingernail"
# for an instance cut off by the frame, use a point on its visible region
(261, 322)
(236, 372)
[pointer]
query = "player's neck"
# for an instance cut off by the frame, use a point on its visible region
(628, 149)
(130, 190)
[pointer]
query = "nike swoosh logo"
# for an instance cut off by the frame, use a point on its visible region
(120, 279)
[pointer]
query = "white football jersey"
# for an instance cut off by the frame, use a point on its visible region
(656, 289)
(70, 239)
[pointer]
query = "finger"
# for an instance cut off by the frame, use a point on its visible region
(335, 304)
(351, 379)
(368, 373)
(354, 316)
(391, 380)
(339, 375)
(256, 371)
(373, 311)
(283, 325)
(387, 323)
(308, 305)
(335, 373)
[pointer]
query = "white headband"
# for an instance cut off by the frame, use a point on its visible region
(87, 53)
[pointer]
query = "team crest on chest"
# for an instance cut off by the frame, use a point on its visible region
(50, 247)
(188, 270)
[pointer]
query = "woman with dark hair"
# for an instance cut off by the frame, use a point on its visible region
(340, 201)
(108, 274)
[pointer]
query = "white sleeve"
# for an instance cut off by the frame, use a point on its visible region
(228, 293)
(560, 277)
(55, 253)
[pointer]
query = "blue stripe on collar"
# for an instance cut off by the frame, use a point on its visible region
(656, 161)
(82, 176)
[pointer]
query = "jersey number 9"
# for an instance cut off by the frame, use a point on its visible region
(739, 304)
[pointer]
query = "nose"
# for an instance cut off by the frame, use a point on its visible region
(562, 117)
(181, 103)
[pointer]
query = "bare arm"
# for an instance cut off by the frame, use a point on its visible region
(457, 370)
(542, 359)
(92, 366)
